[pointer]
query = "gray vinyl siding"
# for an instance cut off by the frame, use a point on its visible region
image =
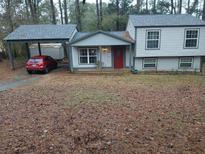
(168, 64)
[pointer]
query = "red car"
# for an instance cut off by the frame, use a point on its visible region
(41, 63)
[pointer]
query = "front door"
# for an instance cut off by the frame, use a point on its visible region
(118, 57)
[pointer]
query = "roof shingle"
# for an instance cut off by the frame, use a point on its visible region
(165, 20)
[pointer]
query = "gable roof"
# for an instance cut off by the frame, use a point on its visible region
(120, 35)
(41, 32)
(168, 20)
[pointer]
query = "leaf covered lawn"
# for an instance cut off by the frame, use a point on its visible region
(75, 113)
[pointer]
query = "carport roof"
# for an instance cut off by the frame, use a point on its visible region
(41, 32)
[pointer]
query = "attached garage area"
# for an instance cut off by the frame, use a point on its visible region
(55, 50)
(51, 40)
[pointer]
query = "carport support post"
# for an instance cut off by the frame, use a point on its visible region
(28, 51)
(130, 58)
(39, 48)
(11, 57)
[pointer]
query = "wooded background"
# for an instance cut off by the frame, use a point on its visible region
(89, 17)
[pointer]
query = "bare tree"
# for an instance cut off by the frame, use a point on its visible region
(65, 12)
(78, 14)
(101, 14)
(118, 15)
(61, 10)
(203, 15)
(180, 7)
(175, 6)
(146, 5)
(138, 6)
(9, 16)
(53, 12)
(193, 7)
(27, 9)
(33, 4)
(172, 6)
(188, 6)
(154, 7)
(98, 15)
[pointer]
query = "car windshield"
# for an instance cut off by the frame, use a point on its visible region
(35, 60)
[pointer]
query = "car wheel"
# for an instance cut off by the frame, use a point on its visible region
(46, 70)
(29, 71)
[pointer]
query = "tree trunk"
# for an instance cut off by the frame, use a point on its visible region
(65, 12)
(9, 16)
(203, 15)
(118, 15)
(33, 10)
(78, 14)
(146, 6)
(172, 6)
(36, 11)
(101, 14)
(53, 12)
(61, 11)
(154, 7)
(175, 5)
(188, 7)
(138, 7)
(180, 6)
(98, 16)
(27, 9)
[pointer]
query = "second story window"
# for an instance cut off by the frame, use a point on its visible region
(152, 39)
(191, 38)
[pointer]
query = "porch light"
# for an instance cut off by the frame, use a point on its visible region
(104, 49)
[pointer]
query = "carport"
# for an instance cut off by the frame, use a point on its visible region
(27, 34)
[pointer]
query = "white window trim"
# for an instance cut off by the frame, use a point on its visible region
(197, 44)
(149, 63)
(192, 62)
(88, 56)
(146, 39)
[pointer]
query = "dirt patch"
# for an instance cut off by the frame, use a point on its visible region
(64, 113)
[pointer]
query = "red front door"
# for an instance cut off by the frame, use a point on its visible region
(118, 57)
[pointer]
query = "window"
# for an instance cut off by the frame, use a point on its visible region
(150, 63)
(88, 56)
(152, 40)
(186, 62)
(191, 38)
